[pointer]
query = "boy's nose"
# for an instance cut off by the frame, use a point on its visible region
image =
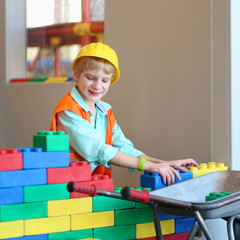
(97, 84)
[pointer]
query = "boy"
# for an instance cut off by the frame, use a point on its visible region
(94, 134)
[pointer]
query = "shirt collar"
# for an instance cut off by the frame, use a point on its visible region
(78, 98)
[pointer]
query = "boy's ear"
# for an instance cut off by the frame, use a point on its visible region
(75, 74)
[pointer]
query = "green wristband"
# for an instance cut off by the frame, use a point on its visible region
(141, 163)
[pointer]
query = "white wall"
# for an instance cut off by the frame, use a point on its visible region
(172, 55)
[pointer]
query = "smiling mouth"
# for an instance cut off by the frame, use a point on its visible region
(95, 94)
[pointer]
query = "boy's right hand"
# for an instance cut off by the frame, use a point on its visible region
(166, 171)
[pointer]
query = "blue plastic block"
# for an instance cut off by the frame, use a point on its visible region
(11, 195)
(184, 225)
(35, 237)
(163, 216)
(154, 180)
(36, 158)
(23, 178)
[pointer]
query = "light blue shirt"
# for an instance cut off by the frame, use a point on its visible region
(89, 140)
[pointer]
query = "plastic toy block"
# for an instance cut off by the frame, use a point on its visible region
(11, 195)
(20, 178)
(23, 211)
(78, 171)
(102, 203)
(35, 237)
(46, 225)
(17, 229)
(46, 192)
(206, 168)
(71, 235)
(184, 224)
(10, 159)
(51, 141)
(69, 206)
(36, 158)
(180, 236)
(133, 216)
(92, 220)
(116, 232)
(215, 195)
(154, 180)
(145, 230)
(103, 182)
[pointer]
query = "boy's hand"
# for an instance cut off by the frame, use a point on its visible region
(168, 170)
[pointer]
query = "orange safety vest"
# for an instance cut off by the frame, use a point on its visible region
(68, 103)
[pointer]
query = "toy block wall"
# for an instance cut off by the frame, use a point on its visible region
(35, 203)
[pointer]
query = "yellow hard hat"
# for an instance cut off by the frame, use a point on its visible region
(100, 50)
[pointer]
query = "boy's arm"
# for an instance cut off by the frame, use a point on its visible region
(167, 170)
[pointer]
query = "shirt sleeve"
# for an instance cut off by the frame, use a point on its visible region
(122, 143)
(84, 139)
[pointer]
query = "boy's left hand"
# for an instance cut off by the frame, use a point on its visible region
(182, 164)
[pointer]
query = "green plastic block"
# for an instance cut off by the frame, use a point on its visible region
(23, 211)
(71, 235)
(37, 79)
(116, 232)
(51, 141)
(102, 203)
(45, 192)
(133, 216)
(215, 195)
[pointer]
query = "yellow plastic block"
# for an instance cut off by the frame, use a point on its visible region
(206, 168)
(11, 229)
(145, 230)
(92, 220)
(69, 206)
(56, 79)
(47, 225)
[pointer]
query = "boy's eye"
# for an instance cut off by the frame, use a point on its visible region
(106, 80)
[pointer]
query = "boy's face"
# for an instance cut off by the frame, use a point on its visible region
(92, 84)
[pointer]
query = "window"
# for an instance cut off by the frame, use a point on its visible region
(49, 38)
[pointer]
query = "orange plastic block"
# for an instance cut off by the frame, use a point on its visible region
(10, 159)
(103, 182)
(206, 168)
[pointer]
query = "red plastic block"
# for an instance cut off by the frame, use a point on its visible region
(103, 182)
(10, 159)
(180, 236)
(78, 171)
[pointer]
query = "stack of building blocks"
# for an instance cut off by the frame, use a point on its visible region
(35, 203)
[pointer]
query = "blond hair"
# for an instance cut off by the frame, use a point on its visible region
(94, 63)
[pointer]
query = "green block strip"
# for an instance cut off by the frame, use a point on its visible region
(215, 195)
(23, 211)
(102, 203)
(71, 235)
(116, 232)
(37, 79)
(45, 192)
(133, 216)
(51, 141)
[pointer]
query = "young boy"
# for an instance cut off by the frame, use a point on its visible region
(94, 134)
